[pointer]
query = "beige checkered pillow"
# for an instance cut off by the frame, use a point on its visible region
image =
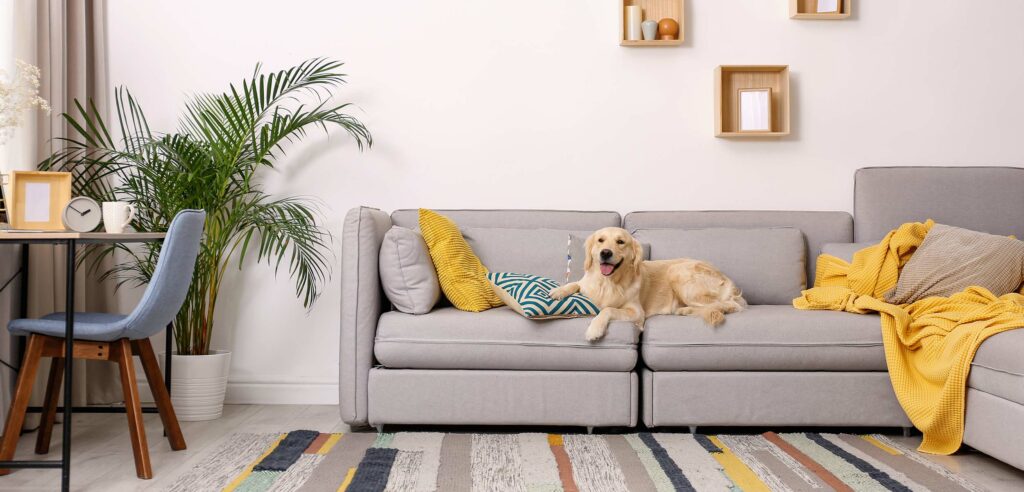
(950, 259)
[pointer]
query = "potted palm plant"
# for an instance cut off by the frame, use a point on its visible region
(212, 162)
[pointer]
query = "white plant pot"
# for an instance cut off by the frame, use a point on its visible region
(198, 384)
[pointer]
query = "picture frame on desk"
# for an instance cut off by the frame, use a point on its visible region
(37, 199)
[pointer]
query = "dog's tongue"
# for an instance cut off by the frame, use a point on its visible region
(607, 269)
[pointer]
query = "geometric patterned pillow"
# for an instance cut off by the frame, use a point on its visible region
(528, 296)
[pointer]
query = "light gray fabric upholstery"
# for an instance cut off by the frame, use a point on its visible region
(407, 273)
(503, 397)
(986, 199)
(818, 227)
(516, 219)
(534, 251)
(843, 251)
(858, 399)
(160, 303)
(766, 338)
(500, 339)
(767, 264)
(361, 304)
(992, 425)
(998, 367)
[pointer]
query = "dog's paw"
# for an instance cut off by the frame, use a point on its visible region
(559, 293)
(594, 332)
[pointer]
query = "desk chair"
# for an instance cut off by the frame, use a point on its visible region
(115, 338)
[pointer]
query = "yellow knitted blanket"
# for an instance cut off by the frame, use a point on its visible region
(929, 344)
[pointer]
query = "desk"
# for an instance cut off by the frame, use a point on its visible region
(72, 240)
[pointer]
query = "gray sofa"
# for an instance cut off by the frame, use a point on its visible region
(771, 365)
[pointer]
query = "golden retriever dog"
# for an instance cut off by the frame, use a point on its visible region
(628, 288)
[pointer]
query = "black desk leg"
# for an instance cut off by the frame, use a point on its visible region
(69, 323)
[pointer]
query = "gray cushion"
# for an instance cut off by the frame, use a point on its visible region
(500, 339)
(818, 227)
(768, 265)
(517, 219)
(532, 251)
(998, 367)
(407, 273)
(766, 338)
(952, 258)
(843, 251)
(986, 199)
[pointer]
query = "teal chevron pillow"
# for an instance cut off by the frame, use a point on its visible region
(528, 296)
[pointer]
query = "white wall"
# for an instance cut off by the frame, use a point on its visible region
(532, 104)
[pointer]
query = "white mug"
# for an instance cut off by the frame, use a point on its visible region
(117, 215)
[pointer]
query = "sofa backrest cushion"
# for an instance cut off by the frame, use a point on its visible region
(818, 228)
(532, 251)
(986, 199)
(517, 219)
(767, 264)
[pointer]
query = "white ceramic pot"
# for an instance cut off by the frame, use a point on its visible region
(198, 384)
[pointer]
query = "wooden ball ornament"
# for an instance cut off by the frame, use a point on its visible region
(668, 29)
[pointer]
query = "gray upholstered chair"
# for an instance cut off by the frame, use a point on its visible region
(113, 337)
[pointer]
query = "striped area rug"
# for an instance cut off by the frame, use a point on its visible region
(420, 461)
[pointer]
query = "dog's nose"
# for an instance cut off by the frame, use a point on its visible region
(606, 254)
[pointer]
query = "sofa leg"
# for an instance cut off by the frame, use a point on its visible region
(380, 428)
(590, 429)
(693, 429)
(908, 431)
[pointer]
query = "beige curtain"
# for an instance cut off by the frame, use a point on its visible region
(68, 40)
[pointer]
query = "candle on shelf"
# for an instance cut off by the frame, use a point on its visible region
(634, 16)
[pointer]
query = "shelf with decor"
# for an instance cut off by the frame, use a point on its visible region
(669, 33)
(809, 9)
(770, 80)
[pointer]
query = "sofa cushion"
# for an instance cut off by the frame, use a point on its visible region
(767, 264)
(986, 199)
(500, 339)
(843, 251)
(818, 227)
(518, 219)
(952, 259)
(407, 273)
(998, 367)
(766, 338)
(529, 295)
(534, 251)
(462, 276)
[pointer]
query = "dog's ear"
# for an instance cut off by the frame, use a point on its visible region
(638, 254)
(588, 259)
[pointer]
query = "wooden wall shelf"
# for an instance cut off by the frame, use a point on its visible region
(807, 9)
(653, 10)
(729, 79)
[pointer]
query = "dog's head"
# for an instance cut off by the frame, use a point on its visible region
(611, 250)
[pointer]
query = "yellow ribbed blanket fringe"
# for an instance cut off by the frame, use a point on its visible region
(929, 344)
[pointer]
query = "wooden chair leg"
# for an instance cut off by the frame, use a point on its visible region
(144, 349)
(133, 408)
(19, 404)
(49, 414)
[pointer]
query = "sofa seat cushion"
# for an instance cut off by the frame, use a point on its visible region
(766, 338)
(998, 367)
(500, 339)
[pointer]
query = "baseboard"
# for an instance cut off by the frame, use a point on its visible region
(270, 392)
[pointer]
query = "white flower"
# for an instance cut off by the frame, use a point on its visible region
(18, 94)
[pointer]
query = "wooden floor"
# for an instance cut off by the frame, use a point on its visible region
(102, 455)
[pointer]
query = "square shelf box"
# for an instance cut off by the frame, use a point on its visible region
(729, 79)
(654, 10)
(808, 9)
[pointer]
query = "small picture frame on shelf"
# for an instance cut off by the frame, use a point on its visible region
(755, 110)
(828, 6)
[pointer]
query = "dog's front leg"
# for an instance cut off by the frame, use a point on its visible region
(599, 326)
(564, 291)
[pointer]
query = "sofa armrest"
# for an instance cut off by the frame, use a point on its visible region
(361, 305)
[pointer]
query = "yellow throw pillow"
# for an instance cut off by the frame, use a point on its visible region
(463, 278)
